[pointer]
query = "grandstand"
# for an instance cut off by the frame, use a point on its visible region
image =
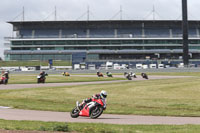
(95, 42)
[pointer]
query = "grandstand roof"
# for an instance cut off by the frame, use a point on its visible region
(102, 23)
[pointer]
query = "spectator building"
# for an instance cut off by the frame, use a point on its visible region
(95, 42)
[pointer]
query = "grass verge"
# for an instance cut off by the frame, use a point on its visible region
(95, 128)
(32, 79)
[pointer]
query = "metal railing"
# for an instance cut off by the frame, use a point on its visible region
(99, 36)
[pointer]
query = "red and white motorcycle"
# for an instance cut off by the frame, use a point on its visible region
(3, 80)
(92, 109)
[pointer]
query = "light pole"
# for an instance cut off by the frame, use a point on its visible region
(185, 33)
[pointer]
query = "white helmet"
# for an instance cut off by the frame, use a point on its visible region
(103, 94)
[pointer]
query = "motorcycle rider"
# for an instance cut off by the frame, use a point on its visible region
(42, 74)
(132, 74)
(144, 75)
(41, 77)
(6, 76)
(99, 74)
(102, 96)
(109, 74)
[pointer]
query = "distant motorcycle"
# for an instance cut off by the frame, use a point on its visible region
(130, 75)
(41, 78)
(133, 75)
(65, 74)
(93, 109)
(144, 75)
(109, 74)
(4, 80)
(99, 74)
(127, 76)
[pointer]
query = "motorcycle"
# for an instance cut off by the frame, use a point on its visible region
(144, 75)
(130, 75)
(109, 74)
(127, 76)
(99, 74)
(65, 74)
(4, 80)
(133, 75)
(93, 109)
(41, 78)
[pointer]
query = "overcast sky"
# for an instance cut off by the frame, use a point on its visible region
(10, 10)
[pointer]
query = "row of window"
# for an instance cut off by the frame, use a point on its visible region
(40, 57)
(108, 48)
(99, 42)
(103, 56)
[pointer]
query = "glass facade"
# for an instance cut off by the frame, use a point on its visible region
(102, 44)
(102, 40)
(39, 57)
(136, 44)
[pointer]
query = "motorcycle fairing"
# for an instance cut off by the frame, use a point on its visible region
(86, 110)
(99, 101)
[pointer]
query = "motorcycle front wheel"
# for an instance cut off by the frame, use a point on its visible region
(38, 80)
(96, 112)
(74, 113)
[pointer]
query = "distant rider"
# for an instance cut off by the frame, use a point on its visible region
(102, 96)
(6, 76)
(42, 74)
(132, 74)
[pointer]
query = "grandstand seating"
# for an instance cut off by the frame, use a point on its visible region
(127, 32)
(177, 32)
(156, 32)
(25, 33)
(100, 40)
(46, 33)
(192, 33)
(97, 32)
(73, 33)
(105, 33)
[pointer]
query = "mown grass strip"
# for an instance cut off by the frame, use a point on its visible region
(31, 79)
(95, 127)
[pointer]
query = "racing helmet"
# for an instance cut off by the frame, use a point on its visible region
(103, 94)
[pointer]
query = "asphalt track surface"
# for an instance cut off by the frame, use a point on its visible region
(17, 114)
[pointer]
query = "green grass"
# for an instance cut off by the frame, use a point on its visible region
(33, 63)
(28, 79)
(95, 128)
(164, 97)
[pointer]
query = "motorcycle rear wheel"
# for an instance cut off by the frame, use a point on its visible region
(96, 112)
(74, 113)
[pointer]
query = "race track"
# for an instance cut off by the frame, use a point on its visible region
(16, 114)
(23, 86)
